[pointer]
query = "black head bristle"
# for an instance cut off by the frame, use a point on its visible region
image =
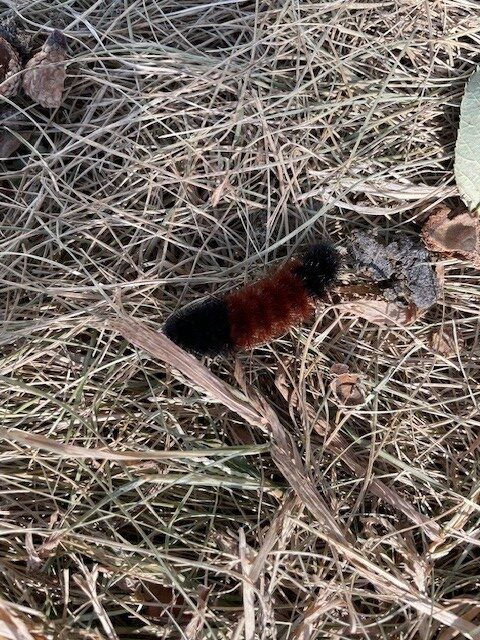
(202, 328)
(319, 266)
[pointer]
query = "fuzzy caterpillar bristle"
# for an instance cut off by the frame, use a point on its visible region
(259, 311)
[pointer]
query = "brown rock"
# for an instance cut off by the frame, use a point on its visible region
(45, 74)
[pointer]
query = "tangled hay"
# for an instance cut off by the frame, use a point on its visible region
(197, 143)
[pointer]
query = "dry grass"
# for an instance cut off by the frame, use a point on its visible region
(198, 142)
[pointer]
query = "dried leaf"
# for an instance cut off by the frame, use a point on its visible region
(11, 121)
(45, 74)
(17, 38)
(9, 143)
(159, 599)
(370, 257)
(347, 389)
(338, 368)
(10, 66)
(445, 342)
(458, 235)
(381, 312)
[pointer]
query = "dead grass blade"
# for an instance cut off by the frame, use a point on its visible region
(13, 627)
(195, 147)
(259, 413)
(37, 441)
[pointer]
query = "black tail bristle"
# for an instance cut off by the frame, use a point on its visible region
(201, 328)
(320, 264)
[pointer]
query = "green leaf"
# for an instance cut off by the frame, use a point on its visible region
(467, 150)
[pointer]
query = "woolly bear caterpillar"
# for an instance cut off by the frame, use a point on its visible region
(259, 311)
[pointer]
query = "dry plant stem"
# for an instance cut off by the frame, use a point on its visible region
(254, 409)
(339, 446)
(258, 413)
(38, 441)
